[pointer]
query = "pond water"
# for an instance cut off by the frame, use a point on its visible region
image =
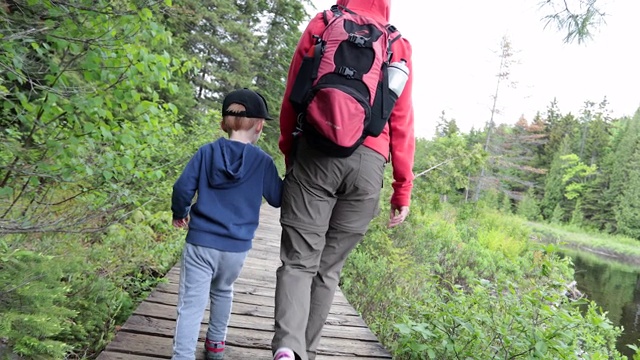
(616, 288)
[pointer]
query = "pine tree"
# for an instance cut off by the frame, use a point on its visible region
(557, 216)
(628, 210)
(554, 186)
(528, 206)
(607, 196)
(233, 38)
(621, 171)
(577, 216)
(281, 37)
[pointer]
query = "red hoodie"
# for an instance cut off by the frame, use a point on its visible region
(401, 144)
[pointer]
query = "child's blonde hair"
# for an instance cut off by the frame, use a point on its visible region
(238, 123)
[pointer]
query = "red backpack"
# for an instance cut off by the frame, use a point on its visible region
(341, 93)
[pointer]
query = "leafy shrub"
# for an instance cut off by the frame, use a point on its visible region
(61, 296)
(33, 303)
(466, 283)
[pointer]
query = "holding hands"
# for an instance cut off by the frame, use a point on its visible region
(181, 223)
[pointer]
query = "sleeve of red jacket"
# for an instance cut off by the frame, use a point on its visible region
(401, 132)
(287, 113)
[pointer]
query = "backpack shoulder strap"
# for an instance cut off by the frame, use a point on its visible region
(394, 35)
(334, 12)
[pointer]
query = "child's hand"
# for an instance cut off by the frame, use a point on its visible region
(181, 223)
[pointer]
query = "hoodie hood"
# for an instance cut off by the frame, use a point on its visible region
(230, 164)
(377, 9)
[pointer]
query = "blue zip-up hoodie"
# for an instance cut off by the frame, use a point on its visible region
(230, 178)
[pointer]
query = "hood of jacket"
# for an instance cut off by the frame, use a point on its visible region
(230, 163)
(377, 9)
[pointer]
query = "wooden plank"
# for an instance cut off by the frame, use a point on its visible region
(248, 271)
(168, 312)
(110, 355)
(249, 299)
(250, 286)
(164, 327)
(161, 347)
(231, 354)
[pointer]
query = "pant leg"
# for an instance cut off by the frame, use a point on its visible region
(307, 202)
(227, 269)
(193, 294)
(358, 203)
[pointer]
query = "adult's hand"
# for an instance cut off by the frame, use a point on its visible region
(181, 223)
(397, 215)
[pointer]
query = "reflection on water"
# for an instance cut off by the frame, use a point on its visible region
(616, 288)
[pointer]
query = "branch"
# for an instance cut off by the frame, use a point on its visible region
(435, 166)
(24, 34)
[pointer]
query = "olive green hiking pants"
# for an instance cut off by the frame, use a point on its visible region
(327, 205)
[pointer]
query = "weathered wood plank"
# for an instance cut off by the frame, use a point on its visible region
(232, 354)
(164, 327)
(250, 286)
(161, 347)
(168, 312)
(249, 299)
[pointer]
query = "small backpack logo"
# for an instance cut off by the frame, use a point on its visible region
(341, 93)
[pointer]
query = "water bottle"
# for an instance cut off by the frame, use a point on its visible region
(398, 73)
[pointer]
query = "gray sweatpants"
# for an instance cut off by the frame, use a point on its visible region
(327, 205)
(206, 274)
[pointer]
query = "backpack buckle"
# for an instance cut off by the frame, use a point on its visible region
(347, 72)
(359, 40)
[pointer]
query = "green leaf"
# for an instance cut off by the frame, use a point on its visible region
(168, 2)
(146, 14)
(108, 175)
(6, 191)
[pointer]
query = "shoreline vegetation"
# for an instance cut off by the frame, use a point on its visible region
(620, 249)
(470, 281)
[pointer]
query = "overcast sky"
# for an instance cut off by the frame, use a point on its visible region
(455, 61)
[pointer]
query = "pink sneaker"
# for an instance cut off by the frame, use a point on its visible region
(284, 354)
(214, 350)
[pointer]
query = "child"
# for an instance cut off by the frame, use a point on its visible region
(230, 177)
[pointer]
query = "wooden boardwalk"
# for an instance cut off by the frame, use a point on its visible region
(148, 333)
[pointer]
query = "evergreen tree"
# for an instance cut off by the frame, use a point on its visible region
(595, 152)
(579, 21)
(557, 216)
(577, 216)
(233, 39)
(505, 204)
(528, 206)
(628, 210)
(621, 170)
(607, 196)
(554, 186)
(559, 127)
(272, 66)
(446, 127)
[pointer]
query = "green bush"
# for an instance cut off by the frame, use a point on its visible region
(61, 296)
(466, 283)
(33, 302)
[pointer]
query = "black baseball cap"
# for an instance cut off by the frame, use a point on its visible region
(255, 105)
